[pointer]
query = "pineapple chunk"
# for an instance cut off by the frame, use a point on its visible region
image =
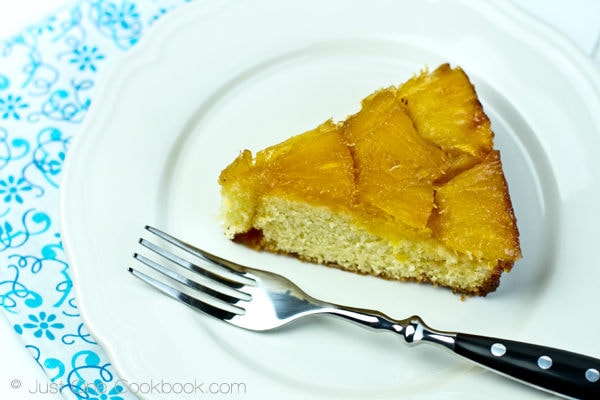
(445, 110)
(395, 166)
(474, 213)
(315, 166)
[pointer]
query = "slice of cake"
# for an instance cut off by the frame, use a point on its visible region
(408, 188)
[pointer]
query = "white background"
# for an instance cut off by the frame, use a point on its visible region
(577, 19)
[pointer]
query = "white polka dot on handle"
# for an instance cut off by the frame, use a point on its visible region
(544, 362)
(592, 375)
(498, 349)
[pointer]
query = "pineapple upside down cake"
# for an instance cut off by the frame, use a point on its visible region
(408, 188)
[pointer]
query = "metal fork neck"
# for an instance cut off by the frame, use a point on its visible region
(416, 331)
(412, 329)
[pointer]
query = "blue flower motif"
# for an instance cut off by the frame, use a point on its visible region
(10, 188)
(99, 391)
(86, 57)
(11, 105)
(125, 17)
(42, 325)
(119, 21)
(128, 15)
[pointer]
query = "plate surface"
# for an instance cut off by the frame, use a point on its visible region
(218, 76)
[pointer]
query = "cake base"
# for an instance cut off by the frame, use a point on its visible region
(279, 226)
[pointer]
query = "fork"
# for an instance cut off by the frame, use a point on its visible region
(259, 300)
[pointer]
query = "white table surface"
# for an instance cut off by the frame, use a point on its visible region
(20, 375)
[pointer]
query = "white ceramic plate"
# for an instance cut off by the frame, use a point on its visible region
(218, 76)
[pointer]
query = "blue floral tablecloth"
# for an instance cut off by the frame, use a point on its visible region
(48, 75)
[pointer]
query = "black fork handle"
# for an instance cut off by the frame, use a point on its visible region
(563, 372)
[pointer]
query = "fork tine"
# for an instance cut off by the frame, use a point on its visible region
(193, 302)
(211, 288)
(226, 265)
(222, 279)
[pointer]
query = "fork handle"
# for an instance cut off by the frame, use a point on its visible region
(559, 371)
